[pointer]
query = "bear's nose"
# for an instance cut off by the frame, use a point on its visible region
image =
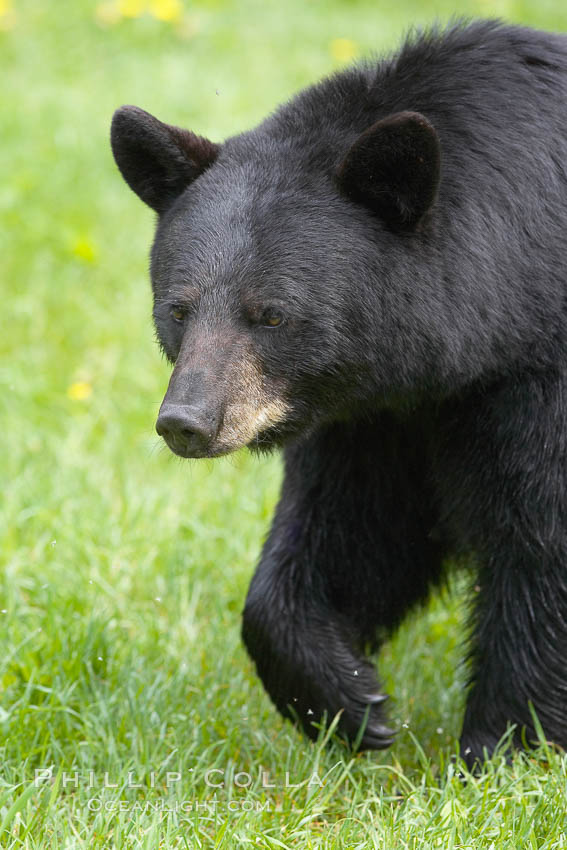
(188, 431)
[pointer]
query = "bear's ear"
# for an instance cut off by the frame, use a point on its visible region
(394, 168)
(158, 161)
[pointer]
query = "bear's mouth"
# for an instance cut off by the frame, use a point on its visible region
(195, 453)
(231, 437)
(264, 442)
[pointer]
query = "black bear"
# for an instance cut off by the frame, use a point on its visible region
(375, 278)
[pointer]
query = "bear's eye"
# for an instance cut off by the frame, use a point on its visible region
(177, 313)
(271, 318)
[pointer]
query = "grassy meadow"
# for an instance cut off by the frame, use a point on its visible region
(130, 715)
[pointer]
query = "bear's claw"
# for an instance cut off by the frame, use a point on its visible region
(376, 699)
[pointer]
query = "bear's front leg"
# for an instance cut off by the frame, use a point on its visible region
(519, 656)
(348, 554)
(306, 659)
(504, 471)
(519, 653)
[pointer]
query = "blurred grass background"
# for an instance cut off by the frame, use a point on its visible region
(124, 569)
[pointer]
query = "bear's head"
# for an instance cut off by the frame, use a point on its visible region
(265, 264)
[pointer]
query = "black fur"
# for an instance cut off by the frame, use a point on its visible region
(157, 161)
(408, 220)
(393, 168)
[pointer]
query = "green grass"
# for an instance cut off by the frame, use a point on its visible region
(125, 570)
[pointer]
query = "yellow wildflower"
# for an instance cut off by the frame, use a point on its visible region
(166, 10)
(343, 49)
(79, 391)
(7, 15)
(84, 249)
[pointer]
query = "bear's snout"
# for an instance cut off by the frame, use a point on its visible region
(188, 430)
